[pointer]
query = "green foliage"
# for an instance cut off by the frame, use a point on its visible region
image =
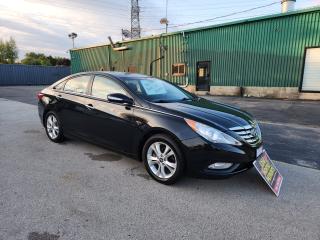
(9, 54)
(33, 58)
(8, 51)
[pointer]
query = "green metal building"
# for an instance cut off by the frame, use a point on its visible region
(270, 56)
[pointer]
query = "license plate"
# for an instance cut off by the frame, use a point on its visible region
(269, 172)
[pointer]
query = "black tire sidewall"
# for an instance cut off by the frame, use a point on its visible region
(60, 135)
(179, 157)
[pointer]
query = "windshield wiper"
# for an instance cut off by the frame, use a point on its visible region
(160, 101)
(185, 99)
(171, 101)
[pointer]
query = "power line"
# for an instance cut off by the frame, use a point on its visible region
(215, 6)
(218, 17)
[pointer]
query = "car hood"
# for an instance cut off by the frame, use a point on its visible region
(216, 113)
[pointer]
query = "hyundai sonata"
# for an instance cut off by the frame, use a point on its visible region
(171, 130)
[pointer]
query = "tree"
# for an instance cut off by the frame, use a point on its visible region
(8, 51)
(52, 60)
(33, 58)
(63, 61)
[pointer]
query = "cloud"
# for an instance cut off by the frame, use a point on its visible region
(44, 25)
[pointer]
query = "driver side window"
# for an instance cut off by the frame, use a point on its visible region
(103, 86)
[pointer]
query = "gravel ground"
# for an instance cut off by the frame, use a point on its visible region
(76, 190)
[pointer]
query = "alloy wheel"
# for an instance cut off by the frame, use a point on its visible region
(52, 127)
(161, 160)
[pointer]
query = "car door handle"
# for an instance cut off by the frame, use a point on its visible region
(90, 106)
(59, 96)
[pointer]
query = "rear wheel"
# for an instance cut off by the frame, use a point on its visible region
(53, 127)
(163, 159)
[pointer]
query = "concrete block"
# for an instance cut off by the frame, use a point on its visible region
(225, 90)
(272, 92)
(309, 96)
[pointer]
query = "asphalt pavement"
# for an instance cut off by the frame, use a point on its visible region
(75, 191)
(25, 94)
(290, 128)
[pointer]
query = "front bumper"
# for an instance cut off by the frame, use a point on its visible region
(200, 154)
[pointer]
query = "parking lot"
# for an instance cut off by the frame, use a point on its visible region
(76, 190)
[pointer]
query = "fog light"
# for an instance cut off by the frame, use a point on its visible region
(220, 165)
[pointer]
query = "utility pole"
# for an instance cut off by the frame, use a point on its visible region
(167, 16)
(135, 19)
(165, 19)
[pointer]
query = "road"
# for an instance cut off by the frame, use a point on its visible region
(25, 94)
(78, 191)
(291, 129)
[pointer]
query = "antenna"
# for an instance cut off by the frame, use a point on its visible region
(135, 20)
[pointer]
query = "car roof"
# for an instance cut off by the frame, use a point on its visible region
(119, 75)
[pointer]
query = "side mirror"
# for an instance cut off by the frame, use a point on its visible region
(120, 98)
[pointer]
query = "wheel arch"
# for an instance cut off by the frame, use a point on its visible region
(45, 112)
(155, 131)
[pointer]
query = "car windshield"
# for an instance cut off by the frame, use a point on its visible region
(157, 90)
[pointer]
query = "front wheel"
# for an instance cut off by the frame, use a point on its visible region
(53, 127)
(163, 159)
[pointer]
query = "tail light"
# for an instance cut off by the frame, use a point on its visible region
(40, 95)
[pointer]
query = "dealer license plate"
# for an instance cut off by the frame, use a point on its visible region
(268, 172)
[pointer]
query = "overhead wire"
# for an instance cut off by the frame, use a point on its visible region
(218, 17)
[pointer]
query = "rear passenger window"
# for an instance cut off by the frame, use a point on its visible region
(103, 86)
(59, 86)
(77, 84)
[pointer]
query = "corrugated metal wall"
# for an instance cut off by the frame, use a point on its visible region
(261, 52)
(90, 59)
(176, 53)
(142, 52)
(19, 74)
(267, 52)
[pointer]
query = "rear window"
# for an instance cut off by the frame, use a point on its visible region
(77, 84)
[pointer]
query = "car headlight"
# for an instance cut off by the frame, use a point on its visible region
(212, 134)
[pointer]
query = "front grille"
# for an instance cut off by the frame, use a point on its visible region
(248, 133)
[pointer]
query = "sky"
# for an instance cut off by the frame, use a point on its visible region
(43, 25)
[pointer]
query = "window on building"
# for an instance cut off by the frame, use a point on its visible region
(132, 69)
(178, 69)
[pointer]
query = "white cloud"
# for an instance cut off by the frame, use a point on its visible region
(44, 25)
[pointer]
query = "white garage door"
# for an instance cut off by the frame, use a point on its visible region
(311, 75)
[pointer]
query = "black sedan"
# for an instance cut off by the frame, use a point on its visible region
(171, 130)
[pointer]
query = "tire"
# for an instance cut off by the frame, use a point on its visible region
(165, 166)
(53, 127)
